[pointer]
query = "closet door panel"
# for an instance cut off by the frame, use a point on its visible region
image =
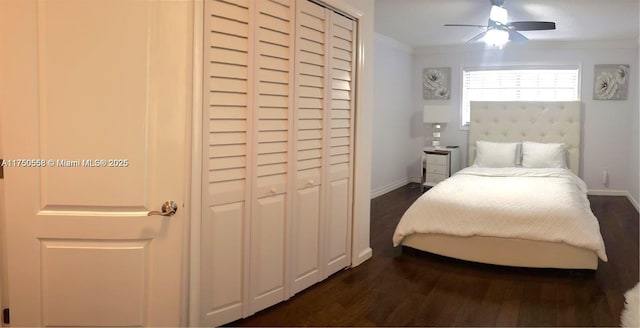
(229, 41)
(270, 185)
(273, 113)
(226, 102)
(337, 225)
(273, 89)
(308, 178)
(310, 134)
(228, 25)
(272, 110)
(310, 141)
(341, 75)
(222, 292)
(267, 251)
(309, 164)
(310, 96)
(226, 192)
(225, 9)
(272, 158)
(340, 147)
(312, 81)
(234, 56)
(241, 3)
(311, 58)
(278, 143)
(305, 238)
(226, 68)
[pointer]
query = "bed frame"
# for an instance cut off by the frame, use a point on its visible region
(509, 122)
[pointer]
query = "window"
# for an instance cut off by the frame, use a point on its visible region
(518, 83)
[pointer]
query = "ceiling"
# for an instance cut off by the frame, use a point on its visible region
(419, 23)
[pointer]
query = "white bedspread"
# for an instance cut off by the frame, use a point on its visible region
(535, 204)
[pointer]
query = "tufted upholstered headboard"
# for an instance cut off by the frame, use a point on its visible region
(512, 121)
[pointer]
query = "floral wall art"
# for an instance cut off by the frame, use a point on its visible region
(611, 82)
(436, 83)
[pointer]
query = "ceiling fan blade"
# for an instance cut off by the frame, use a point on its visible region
(517, 37)
(466, 25)
(532, 26)
(477, 37)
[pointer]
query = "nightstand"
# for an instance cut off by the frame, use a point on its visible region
(439, 164)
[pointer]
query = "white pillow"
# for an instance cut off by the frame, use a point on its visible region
(544, 155)
(496, 154)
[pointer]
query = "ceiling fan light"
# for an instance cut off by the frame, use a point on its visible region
(496, 37)
(498, 14)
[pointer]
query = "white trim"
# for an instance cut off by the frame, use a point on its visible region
(4, 300)
(391, 42)
(189, 167)
(196, 167)
(603, 192)
(385, 189)
(394, 185)
(552, 45)
(362, 256)
(341, 7)
(633, 201)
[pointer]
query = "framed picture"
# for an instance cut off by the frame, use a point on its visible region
(436, 83)
(611, 82)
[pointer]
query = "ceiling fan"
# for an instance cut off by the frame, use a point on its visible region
(499, 30)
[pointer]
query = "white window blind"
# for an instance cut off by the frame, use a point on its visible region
(518, 84)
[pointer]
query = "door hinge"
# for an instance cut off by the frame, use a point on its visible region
(6, 316)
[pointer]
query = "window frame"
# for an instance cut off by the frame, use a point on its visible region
(577, 67)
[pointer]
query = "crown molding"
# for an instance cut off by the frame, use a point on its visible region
(393, 43)
(555, 45)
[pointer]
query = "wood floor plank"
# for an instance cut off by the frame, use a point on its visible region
(404, 287)
(510, 307)
(565, 305)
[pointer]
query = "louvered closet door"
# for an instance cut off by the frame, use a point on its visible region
(339, 183)
(279, 152)
(273, 107)
(227, 120)
(311, 70)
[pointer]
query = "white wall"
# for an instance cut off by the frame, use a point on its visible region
(395, 144)
(634, 162)
(608, 126)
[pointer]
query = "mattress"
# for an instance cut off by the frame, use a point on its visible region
(539, 205)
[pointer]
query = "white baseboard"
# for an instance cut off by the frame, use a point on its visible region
(606, 192)
(633, 201)
(415, 179)
(596, 192)
(383, 190)
(362, 256)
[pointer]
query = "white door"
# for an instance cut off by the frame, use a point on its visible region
(100, 91)
(339, 182)
(311, 138)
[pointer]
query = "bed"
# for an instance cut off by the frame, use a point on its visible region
(524, 217)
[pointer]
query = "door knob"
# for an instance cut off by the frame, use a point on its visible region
(169, 208)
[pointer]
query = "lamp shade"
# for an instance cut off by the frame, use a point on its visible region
(496, 37)
(435, 114)
(498, 14)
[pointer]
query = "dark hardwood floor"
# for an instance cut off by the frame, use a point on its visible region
(403, 287)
